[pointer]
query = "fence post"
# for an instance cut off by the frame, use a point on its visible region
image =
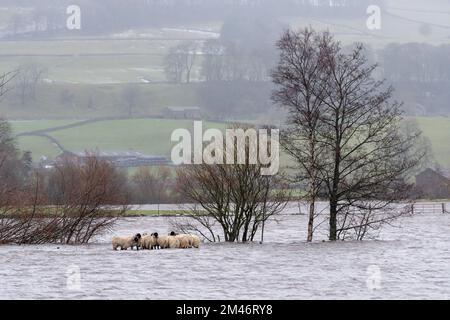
(444, 208)
(412, 208)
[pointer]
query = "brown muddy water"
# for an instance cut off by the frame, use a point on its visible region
(409, 261)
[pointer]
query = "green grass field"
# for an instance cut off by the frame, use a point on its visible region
(144, 135)
(82, 101)
(39, 147)
(96, 61)
(33, 125)
(437, 129)
(149, 136)
(152, 136)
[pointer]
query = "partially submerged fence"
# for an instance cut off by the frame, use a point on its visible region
(430, 207)
(301, 208)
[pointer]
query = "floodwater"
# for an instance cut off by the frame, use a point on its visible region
(409, 261)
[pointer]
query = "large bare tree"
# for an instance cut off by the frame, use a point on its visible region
(299, 80)
(365, 156)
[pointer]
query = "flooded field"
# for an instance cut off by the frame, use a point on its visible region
(410, 261)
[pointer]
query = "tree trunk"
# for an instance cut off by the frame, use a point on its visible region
(333, 220)
(313, 183)
(188, 76)
(312, 207)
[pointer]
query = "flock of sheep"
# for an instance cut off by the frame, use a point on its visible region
(155, 241)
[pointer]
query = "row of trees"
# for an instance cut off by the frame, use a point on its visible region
(416, 62)
(233, 70)
(243, 57)
(244, 51)
(348, 140)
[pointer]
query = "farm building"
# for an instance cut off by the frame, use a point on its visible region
(180, 112)
(125, 159)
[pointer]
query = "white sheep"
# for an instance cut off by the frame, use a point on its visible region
(148, 242)
(195, 241)
(174, 242)
(126, 242)
(187, 240)
(184, 241)
(161, 241)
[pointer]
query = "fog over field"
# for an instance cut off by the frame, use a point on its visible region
(327, 119)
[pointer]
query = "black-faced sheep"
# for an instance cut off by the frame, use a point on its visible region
(126, 242)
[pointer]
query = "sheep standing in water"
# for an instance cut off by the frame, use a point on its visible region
(183, 241)
(148, 242)
(187, 240)
(174, 242)
(162, 242)
(195, 241)
(126, 242)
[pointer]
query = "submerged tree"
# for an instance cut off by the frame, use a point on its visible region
(235, 198)
(299, 80)
(365, 156)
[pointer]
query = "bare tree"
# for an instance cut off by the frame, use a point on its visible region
(299, 80)
(366, 158)
(180, 61)
(213, 61)
(27, 80)
(20, 193)
(90, 196)
(90, 199)
(130, 96)
(5, 80)
(370, 157)
(235, 197)
(151, 186)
